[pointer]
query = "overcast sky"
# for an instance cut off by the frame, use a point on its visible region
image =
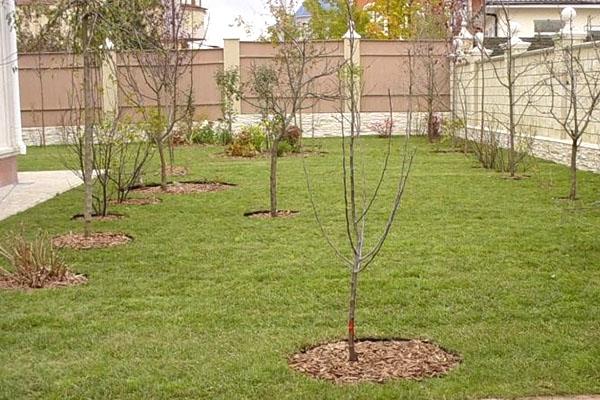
(223, 15)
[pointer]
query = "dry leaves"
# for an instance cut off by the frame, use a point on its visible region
(184, 188)
(379, 361)
(266, 214)
(95, 241)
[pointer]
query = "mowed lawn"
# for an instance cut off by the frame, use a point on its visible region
(208, 304)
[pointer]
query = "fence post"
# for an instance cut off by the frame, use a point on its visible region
(110, 85)
(231, 60)
(350, 37)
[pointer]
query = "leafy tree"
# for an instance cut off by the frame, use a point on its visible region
(391, 19)
(292, 82)
(329, 18)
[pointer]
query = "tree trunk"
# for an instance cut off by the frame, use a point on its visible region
(273, 179)
(163, 165)
(352, 356)
(88, 135)
(573, 192)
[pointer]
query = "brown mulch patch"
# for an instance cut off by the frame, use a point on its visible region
(184, 188)
(177, 171)
(70, 279)
(145, 201)
(95, 241)
(108, 217)
(378, 361)
(266, 214)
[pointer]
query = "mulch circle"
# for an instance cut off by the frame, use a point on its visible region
(95, 217)
(144, 201)
(183, 188)
(265, 214)
(70, 279)
(378, 361)
(177, 171)
(96, 240)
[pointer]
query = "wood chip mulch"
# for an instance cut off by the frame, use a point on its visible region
(184, 188)
(137, 202)
(177, 171)
(97, 240)
(70, 279)
(108, 217)
(266, 214)
(378, 361)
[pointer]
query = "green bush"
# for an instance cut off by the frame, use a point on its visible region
(204, 134)
(284, 147)
(249, 142)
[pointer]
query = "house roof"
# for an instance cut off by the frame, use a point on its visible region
(304, 13)
(540, 3)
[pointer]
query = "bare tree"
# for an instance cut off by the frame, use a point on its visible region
(157, 79)
(357, 202)
(574, 89)
(519, 99)
(283, 88)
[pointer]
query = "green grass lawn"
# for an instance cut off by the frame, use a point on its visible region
(208, 304)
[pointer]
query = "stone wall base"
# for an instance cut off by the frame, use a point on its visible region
(8, 171)
(551, 149)
(328, 125)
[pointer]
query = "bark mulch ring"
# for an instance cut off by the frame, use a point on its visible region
(183, 188)
(70, 279)
(96, 240)
(378, 361)
(95, 217)
(177, 171)
(266, 214)
(144, 201)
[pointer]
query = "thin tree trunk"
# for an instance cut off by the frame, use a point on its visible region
(573, 192)
(163, 165)
(88, 136)
(273, 178)
(352, 356)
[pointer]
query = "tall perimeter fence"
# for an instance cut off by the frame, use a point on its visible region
(51, 85)
(541, 101)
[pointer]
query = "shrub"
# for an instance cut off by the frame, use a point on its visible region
(284, 148)
(203, 134)
(258, 137)
(223, 135)
(34, 264)
(249, 142)
(383, 128)
(293, 137)
(242, 145)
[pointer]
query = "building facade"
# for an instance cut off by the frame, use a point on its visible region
(540, 18)
(11, 143)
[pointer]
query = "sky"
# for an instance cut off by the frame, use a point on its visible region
(224, 13)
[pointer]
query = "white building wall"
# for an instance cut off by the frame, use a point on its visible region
(526, 16)
(11, 142)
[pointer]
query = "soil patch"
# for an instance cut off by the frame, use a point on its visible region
(183, 188)
(145, 201)
(97, 240)
(70, 279)
(177, 171)
(378, 361)
(265, 214)
(95, 217)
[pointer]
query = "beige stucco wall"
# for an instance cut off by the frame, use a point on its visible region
(535, 104)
